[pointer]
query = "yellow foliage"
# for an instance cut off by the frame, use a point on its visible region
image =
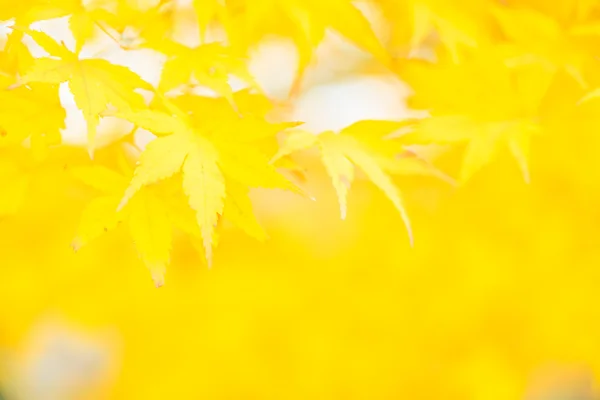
(234, 207)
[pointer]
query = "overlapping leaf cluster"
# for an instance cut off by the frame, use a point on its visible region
(483, 70)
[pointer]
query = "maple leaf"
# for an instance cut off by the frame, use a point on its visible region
(148, 223)
(130, 24)
(539, 38)
(83, 23)
(34, 112)
(460, 25)
(238, 210)
(15, 59)
(150, 215)
(483, 140)
(207, 160)
(209, 113)
(95, 83)
(26, 12)
(305, 22)
(19, 168)
(210, 65)
(499, 107)
(83, 19)
(99, 215)
(361, 145)
(137, 23)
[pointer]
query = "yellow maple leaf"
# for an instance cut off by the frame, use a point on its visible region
(136, 23)
(150, 215)
(483, 140)
(26, 12)
(19, 166)
(362, 145)
(83, 24)
(150, 229)
(460, 25)
(305, 22)
(238, 210)
(83, 18)
(536, 37)
(15, 59)
(95, 83)
(210, 65)
(498, 107)
(31, 112)
(207, 159)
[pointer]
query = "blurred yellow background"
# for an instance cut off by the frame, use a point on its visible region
(496, 301)
(499, 292)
